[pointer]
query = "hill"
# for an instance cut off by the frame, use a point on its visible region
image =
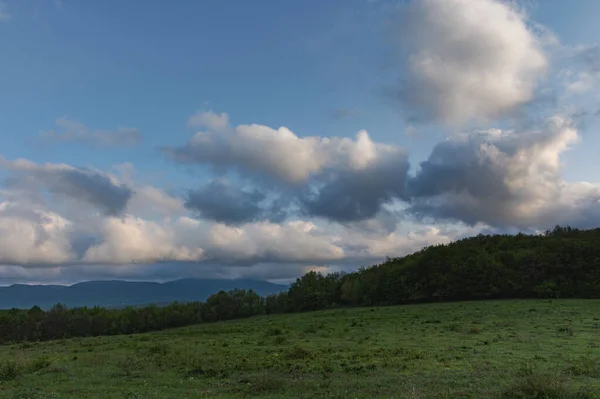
(114, 294)
(487, 349)
(561, 263)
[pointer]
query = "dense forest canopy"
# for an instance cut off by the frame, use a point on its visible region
(563, 262)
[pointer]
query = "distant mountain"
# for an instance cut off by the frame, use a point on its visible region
(125, 293)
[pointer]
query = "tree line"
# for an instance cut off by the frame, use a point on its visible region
(563, 262)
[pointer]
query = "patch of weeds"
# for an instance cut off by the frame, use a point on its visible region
(265, 383)
(206, 373)
(38, 364)
(311, 329)
(158, 349)
(585, 366)
(357, 368)
(9, 370)
(474, 330)
(538, 386)
(567, 330)
(274, 331)
(26, 345)
(298, 352)
(280, 340)
(356, 323)
(129, 365)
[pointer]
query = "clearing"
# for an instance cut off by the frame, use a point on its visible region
(504, 349)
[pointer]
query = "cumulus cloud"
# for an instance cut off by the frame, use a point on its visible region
(77, 184)
(503, 179)
(37, 237)
(468, 60)
(332, 177)
(209, 120)
(135, 240)
(76, 132)
(31, 236)
(352, 194)
(224, 202)
(293, 241)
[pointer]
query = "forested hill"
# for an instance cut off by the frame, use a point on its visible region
(564, 262)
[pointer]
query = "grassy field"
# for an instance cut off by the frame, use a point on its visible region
(494, 349)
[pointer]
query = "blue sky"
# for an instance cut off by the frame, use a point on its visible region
(319, 68)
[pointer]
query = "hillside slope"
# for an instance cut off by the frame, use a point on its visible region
(562, 263)
(487, 349)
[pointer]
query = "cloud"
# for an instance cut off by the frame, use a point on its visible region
(209, 120)
(76, 132)
(585, 61)
(67, 182)
(336, 178)
(223, 202)
(35, 237)
(135, 240)
(278, 154)
(32, 236)
(352, 194)
(292, 241)
(504, 179)
(468, 60)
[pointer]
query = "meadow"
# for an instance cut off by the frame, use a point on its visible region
(485, 349)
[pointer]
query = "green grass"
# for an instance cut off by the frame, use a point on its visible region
(495, 349)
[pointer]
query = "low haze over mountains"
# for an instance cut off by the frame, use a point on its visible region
(124, 293)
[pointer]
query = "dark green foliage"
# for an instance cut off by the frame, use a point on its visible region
(9, 370)
(60, 322)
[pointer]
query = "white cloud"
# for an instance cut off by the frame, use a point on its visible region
(134, 240)
(469, 59)
(31, 236)
(79, 185)
(294, 241)
(209, 120)
(504, 179)
(279, 153)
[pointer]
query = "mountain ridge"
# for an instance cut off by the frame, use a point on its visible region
(117, 293)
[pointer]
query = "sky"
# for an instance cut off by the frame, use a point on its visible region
(265, 139)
